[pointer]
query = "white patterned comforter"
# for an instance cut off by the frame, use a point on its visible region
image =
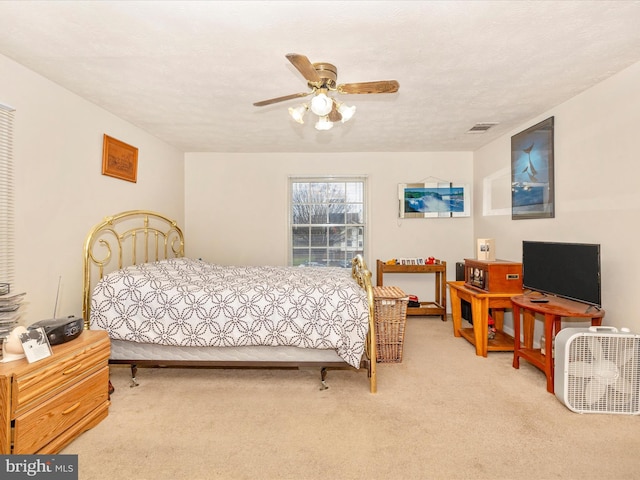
(189, 302)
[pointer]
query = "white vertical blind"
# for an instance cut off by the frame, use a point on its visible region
(6, 194)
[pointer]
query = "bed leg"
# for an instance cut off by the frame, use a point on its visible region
(134, 371)
(323, 376)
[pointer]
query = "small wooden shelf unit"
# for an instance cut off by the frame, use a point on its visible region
(438, 307)
(46, 404)
(481, 302)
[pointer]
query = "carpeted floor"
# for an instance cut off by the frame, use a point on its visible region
(443, 413)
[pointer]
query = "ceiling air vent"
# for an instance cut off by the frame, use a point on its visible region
(481, 127)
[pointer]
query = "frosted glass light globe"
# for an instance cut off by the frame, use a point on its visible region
(323, 123)
(297, 113)
(321, 104)
(346, 112)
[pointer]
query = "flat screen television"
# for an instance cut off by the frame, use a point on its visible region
(568, 270)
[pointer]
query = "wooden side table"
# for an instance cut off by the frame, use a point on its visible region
(439, 304)
(46, 404)
(554, 310)
(481, 302)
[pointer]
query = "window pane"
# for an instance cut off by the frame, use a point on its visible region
(335, 192)
(300, 236)
(336, 213)
(354, 192)
(318, 236)
(319, 214)
(300, 256)
(354, 214)
(339, 258)
(318, 256)
(337, 236)
(300, 192)
(354, 238)
(317, 192)
(300, 214)
(327, 221)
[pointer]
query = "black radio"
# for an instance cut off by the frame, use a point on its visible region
(60, 330)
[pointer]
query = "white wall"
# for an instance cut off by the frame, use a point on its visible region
(60, 191)
(236, 207)
(597, 188)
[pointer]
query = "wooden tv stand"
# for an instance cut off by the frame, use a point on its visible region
(439, 269)
(554, 310)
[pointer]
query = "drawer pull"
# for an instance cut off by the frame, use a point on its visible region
(71, 409)
(72, 369)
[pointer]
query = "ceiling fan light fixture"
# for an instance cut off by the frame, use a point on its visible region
(324, 123)
(346, 112)
(321, 104)
(322, 79)
(297, 113)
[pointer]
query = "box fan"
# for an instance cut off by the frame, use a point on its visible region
(597, 370)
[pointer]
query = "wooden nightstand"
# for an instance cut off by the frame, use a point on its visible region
(46, 404)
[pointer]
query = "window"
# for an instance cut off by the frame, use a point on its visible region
(6, 194)
(327, 218)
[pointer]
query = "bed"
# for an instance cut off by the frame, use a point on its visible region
(161, 308)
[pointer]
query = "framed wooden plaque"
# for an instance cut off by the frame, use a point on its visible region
(119, 160)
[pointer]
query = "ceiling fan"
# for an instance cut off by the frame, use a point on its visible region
(322, 79)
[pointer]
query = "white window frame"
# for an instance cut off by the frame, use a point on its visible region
(362, 245)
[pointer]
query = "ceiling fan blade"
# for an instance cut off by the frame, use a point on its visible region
(334, 114)
(281, 99)
(305, 67)
(382, 86)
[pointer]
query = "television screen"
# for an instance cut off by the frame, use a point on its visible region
(569, 270)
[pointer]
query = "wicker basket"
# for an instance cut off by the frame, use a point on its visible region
(390, 312)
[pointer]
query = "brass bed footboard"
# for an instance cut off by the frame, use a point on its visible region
(362, 275)
(140, 236)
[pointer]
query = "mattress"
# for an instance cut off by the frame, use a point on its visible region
(123, 350)
(182, 302)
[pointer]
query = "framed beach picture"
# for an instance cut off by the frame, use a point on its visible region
(433, 200)
(532, 188)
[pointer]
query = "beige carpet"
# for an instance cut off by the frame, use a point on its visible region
(441, 414)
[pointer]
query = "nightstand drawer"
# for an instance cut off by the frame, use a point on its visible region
(36, 428)
(38, 385)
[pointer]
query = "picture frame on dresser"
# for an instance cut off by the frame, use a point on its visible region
(35, 344)
(532, 172)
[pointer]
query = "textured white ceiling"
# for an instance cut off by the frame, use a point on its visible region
(189, 72)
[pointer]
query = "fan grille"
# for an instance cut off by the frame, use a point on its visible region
(603, 374)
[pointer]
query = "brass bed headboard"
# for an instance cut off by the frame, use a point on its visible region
(128, 238)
